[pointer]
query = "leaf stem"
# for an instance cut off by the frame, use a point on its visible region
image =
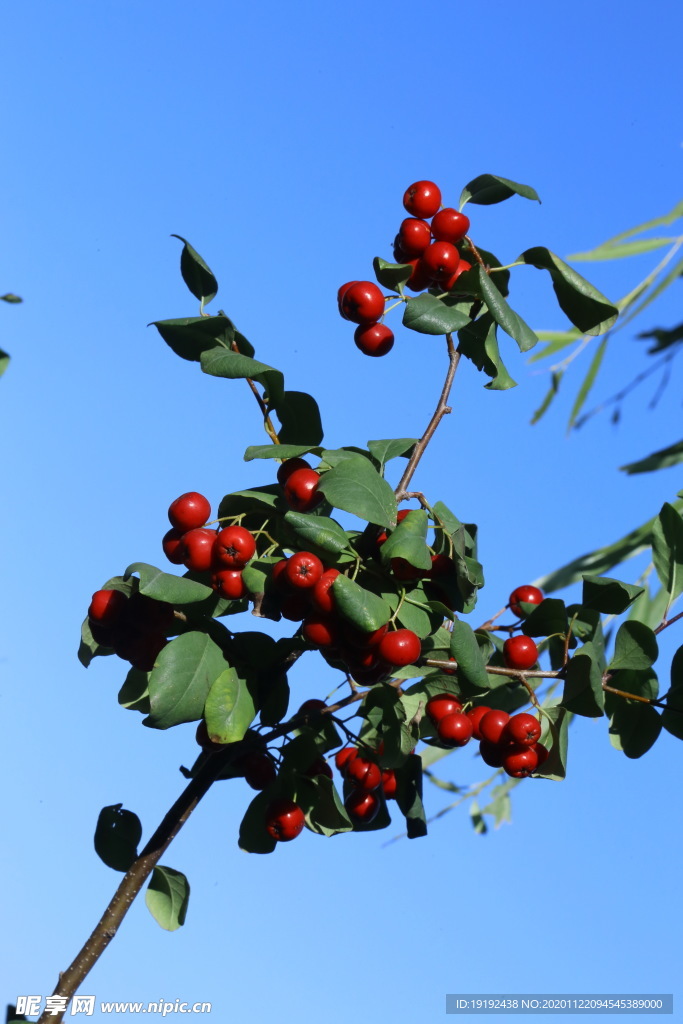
(267, 422)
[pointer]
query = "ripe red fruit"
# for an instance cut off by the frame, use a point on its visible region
(229, 583)
(475, 716)
(361, 806)
(295, 607)
(442, 565)
(276, 574)
(341, 291)
(234, 547)
(492, 724)
(362, 303)
(172, 544)
(520, 762)
(448, 283)
(422, 199)
(413, 237)
(321, 598)
(319, 767)
(311, 706)
(523, 729)
(320, 630)
(189, 511)
(284, 820)
(399, 648)
(520, 652)
(303, 570)
(301, 490)
(344, 756)
(106, 606)
(493, 754)
(440, 260)
(285, 469)
(527, 594)
(198, 549)
(389, 783)
(455, 730)
(258, 770)
(365, 641)
(403, 570)
(374, 339)
(441, 705)
(364, 774)
(450, 225)
(542, 753)
(420, 277)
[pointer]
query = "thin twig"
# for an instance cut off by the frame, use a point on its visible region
(267, 422)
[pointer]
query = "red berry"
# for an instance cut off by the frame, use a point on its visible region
(343, 756)
(399, 648)
(319, 767)
(403, 570)
(475, 716)
(198, 549)
(389, 783)
(442, 565)
(276, 573)
(204, 740)
(295, 607)
(542, 753)
(364, 774)
(341, 292)
(420, 277)
(520, 652)
(365, 641)
(362, 303)
(106, 606)
(362, 806)
(284, 820)
(311, 706)
(440, 260)
(374, 339)
(422, 199)
(455, 730)
(321, 598)
(258, 770)
(450, 225)
(523, 729)
(493, 754)
(441, 705)
(234, 547)
(492, 725)
(172, 544)
(413, 237)
(526, 594)
(301, 490)
(520, 762)
(448, 283)
(303, 570)
(229, 583)
(189, 511)
(285, 469)
(320, 630)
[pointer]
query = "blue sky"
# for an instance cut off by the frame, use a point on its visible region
(279, 140)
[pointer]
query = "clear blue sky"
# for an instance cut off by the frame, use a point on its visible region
(279, 140)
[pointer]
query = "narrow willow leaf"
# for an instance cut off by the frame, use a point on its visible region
(665, 337)
(11, 298)
(299, 417)
(196, 274)
(557, 340)
(391, 275)
(4, 361)
(504, 315)
(674, 273)
(550, 394)
(355, 486)
(429, 315)
(167, 897)
(181, 679)
(667, 550)
(222, 362)
(667, 218)
(619, 251)
(486, 189)
(588, 382)
(661, 459)
(117, 835)
(635, 647)
(586, 307)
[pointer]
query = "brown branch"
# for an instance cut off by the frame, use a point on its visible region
(441, 410)
(494, 670)
(668, 622)
(267, 422)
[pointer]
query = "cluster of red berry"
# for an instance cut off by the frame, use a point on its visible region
(367, 780)
(136, 627)
(430, 249)
(520, 652)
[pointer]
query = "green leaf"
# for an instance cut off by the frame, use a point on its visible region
(254, 838)
(667, 218)
(664, 282)
(586, 307)
(409, 796)
(558, 340)
(189, 336)
(258, 499)
(167, 896)
(479, 343)
(9, 297)
(355, 486)
(634, 725)
(429, 315)
(162, 586)
(134, 694)
(672, 716)
(611, 597)
(391, 275)
(617, 252)
(547, 618)
(504, 315)
(223, 362)
(408, 541)
(555, 380)
(635, 647)
(486, 189)
(383, 451)
(317, 531)
(417, 612)
(667, 550)
(467, 653)
(181, 679)
(279, 451)
(196, 274)
(117, 835)
(583, 693)
(230, 708)
(555, 722)
(327, 815)
(587, 383)
(299, 417)
(4, 361)
(363, 609)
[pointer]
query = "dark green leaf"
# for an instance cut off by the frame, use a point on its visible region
(583, 693)
(409, 796)
(635, 647)
(223, 362)
(254, 837)
(299, 417)
(189, 336)
(318, 531)
(548, 617)
(363, 609)
(611, 597)
(634, 725)
(181, 679)
(230, 707)
(650, 608)
(667, 550)
(504, 315)
(328, 815)
(134, 694)
(391, 275)
(618, 252)
(117, 835)
(408, 541)
(486, 189)
(11, 298)
(664, 338)
(418, 613)
(162, 586)
(586, 307)
(258, 499)
(661, 459)
(355, 486)
(167, 896)
(279, 451)
(587, 383)
(4, 361)
(467, 652)
(383, 451)
(196, 274)
(672, 716)
(429, 315)
(478, 342)
(555, 722)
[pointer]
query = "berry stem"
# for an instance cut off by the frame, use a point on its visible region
(267, 422)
